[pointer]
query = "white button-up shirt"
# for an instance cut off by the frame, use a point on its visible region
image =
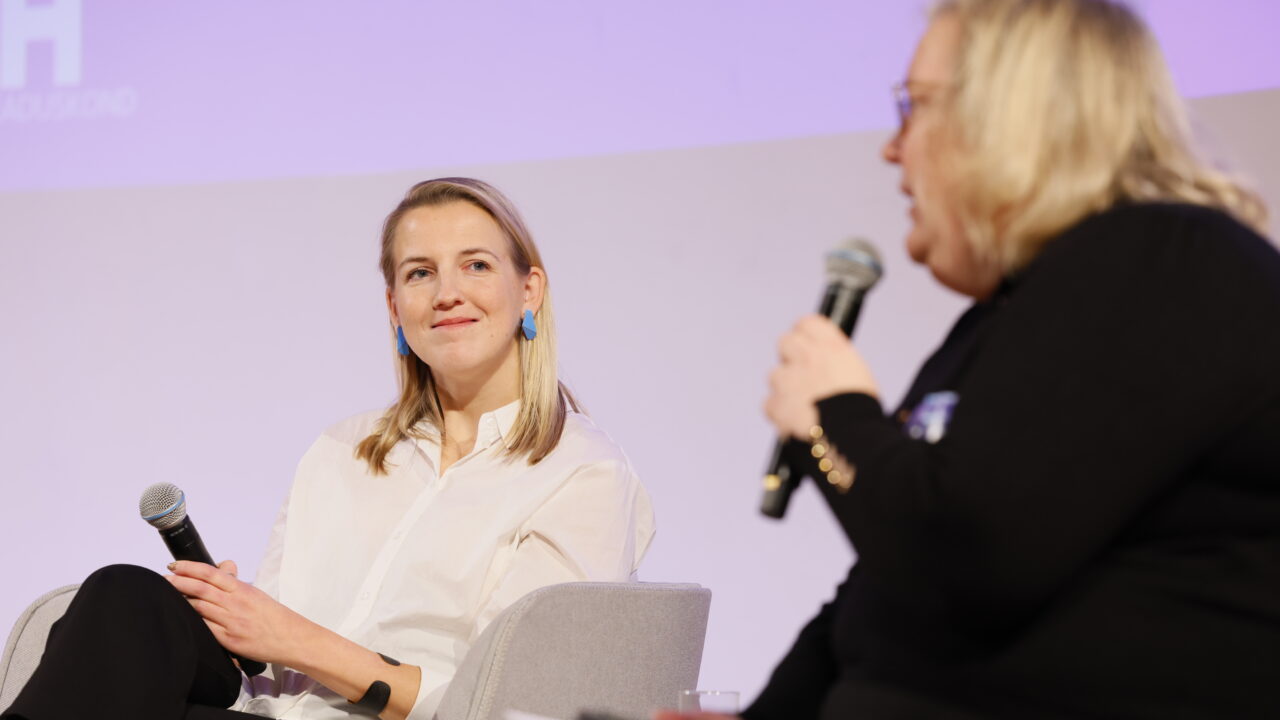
(414, 564)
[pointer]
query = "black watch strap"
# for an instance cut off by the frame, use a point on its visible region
(375, 699)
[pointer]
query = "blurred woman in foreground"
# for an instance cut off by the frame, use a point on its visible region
(1076, 511)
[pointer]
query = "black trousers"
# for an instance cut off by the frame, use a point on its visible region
(130, 646)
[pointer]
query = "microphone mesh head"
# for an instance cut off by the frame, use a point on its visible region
(854, 262)
(163, 505)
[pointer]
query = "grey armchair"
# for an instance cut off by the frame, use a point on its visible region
(622, 648)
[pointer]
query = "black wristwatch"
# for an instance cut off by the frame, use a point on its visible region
(375, 699)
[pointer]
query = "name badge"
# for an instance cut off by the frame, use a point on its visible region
(929, 420)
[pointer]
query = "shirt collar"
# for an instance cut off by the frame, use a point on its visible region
(492, 426)
(501, 420)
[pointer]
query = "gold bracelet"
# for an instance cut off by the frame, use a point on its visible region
(840, 473)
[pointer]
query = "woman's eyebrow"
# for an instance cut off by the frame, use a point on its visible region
(414, 259)
(462, 253)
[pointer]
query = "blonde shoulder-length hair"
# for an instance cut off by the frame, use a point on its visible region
(545, 401)
(1060, 109)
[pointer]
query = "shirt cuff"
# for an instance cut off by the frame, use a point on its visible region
(849, 407)
(857, 427)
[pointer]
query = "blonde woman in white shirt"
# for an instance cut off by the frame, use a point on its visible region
(407, 531)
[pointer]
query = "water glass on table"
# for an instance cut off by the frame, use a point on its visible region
(724, 702)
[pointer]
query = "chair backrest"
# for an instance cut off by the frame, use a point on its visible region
(25, 646)
(621, 648)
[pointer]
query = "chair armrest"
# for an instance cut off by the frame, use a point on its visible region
(25, 646)
(624, 648)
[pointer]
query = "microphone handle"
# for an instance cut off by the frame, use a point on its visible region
(778, 483)
(841, 303)
(185, 544)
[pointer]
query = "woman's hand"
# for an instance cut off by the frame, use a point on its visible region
(244, 620)
(816, 361)
(249, 623)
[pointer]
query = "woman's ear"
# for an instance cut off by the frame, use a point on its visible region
(391, 309)
(535, 287)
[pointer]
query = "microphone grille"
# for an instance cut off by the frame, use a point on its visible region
(854, 262)
(163, 505)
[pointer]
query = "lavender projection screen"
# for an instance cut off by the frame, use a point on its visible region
(190, 196)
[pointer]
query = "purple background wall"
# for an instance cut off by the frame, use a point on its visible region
(197, 92)
(187, 247)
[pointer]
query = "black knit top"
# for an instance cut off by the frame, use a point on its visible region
(1082, 519)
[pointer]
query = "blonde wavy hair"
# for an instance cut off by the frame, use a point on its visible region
(544, 399)
(1059, 109)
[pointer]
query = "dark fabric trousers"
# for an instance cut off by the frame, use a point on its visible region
(130, 646)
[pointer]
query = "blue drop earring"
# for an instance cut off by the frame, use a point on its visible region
(528, 326)
(402, 345)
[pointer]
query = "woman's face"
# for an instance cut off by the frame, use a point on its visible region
(935, 239)
(457, 293)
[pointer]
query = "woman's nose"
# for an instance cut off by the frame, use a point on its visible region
(447, 293)
(892, 150)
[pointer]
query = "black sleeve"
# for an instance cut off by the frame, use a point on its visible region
(1121, 358)
(800, 682)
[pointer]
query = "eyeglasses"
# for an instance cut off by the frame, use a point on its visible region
(906, 104)
(903, 103)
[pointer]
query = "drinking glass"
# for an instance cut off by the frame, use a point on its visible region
(716, 701)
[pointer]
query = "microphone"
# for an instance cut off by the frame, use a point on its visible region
(164, 506)
(853, 268)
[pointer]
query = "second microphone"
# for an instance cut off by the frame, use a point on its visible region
(853, 268)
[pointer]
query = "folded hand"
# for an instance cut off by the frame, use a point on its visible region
(244, 620)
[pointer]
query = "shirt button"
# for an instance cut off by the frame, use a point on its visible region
(364, 596)
(397, 535)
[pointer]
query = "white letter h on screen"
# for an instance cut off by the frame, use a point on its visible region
(21, 24)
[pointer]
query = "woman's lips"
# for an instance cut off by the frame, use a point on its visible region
(452, 323)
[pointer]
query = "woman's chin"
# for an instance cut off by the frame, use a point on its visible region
(450, 366)
(459, 364)
(917, 246)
